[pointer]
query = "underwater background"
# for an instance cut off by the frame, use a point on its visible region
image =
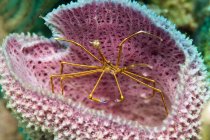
(192, 17)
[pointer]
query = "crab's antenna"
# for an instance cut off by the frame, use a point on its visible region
(127, 38)
(81, 46)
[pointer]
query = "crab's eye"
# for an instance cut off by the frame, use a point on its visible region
(96, 44)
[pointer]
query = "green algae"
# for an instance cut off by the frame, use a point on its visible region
(202, 41)
(1, 93)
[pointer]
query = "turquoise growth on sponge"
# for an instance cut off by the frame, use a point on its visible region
(28, 60)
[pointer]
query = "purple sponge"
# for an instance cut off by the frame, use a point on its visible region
(28, 61)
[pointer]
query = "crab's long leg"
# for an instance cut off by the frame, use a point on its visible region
(91, 94)
(77, 65)
(72, 75)
(61, 84)
(135, 65)
(127, 38)
(145, 78)
(82, 47)
(163, 99)
(118, 86)
(157, 90)
(51, 82)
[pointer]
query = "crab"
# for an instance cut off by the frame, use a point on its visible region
(108, 67)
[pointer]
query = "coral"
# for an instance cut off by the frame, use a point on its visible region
(23, 15)
(205, 122)
(3, 33)
(1, 93)
(179, 12)
(8, 125)
(27, 61)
